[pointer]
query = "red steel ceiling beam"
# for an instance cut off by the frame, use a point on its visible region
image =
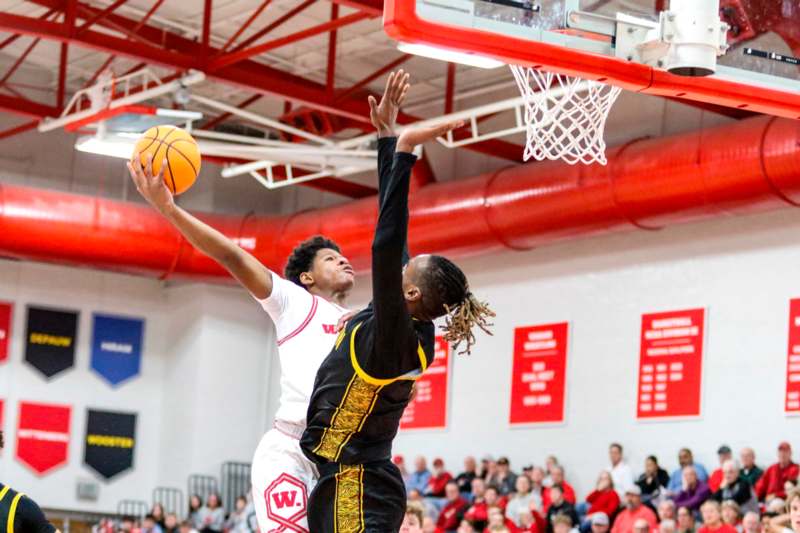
(15, 37)
(271, 26)
(236, 57)
(371, 7)
(22, 128)
(450, 87)
(19, 61)
(27, 108)
(330, 71)
(244, 26)
(208, 7)
(110, 9)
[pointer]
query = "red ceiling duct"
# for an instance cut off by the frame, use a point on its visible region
(748, 166)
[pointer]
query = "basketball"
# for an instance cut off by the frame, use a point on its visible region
(180, 151)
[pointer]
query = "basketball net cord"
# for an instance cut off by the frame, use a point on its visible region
(565, 116)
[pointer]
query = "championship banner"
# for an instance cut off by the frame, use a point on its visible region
(110, 442)
(5, 330)
(43, 435)
(539, 374)
(50, 340)
(428, 409)
(116, 347)
(793, 361)
(671, 364)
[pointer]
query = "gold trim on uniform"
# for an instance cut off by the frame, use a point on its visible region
(349, 500)
(12, 512)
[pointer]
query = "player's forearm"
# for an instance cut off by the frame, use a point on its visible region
(392, 228)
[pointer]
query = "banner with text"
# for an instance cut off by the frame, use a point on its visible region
(793, 362)
(110, 442)
(5, 330)
(116, 347)
(539, 374)
(671, 364)
(428, 409)
(50, 340)
(43, 435)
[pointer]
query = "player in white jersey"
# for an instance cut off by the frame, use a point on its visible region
(306, 309)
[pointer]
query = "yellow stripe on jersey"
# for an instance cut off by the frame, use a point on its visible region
(384, 381)
(3, 493)
(349, 500)
(12, 512)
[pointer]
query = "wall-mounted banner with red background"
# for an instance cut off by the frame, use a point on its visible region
(539, 374)
(428, 410)
(671, 364)
(50, 339)
(793, 360)
(5, 329)
(43, 435)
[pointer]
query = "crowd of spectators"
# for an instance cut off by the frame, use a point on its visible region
(735, 497)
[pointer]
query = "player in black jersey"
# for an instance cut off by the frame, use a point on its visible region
(20, 514)
(365, 383)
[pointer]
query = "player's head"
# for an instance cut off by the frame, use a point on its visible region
(318, 264)
(434, 286)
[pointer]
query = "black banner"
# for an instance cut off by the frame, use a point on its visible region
(110, 442)
(50, 339)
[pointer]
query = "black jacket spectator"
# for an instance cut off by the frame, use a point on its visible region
(564, 508)
(740, 492)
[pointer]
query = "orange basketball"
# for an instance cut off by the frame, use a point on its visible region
(178, 148)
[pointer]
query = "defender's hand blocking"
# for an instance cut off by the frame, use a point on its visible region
(150, 186)
(415, 136)
(384, 114)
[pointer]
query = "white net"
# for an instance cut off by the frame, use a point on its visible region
(565, 116)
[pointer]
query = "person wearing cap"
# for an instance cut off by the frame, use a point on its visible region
(419, 478)
(464, 479)
(685, 458)
(620, 471)
(724, 453)
(695, 492)
(771, 484)
(439, 479)
(600, 523)
(733, 487)
(453, 511)
(504, 479)
(634, 511)
(749, 471)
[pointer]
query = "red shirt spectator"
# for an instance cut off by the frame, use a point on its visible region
(438, 481)
(715, 479)
(712, 520)
(603, 501)
(453, 511)
(634, 510)
(771, 484)
(569, 495)
(722, 528)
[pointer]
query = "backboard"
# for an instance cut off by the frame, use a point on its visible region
(592, 39)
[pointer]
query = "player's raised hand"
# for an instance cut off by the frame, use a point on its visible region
(384, 114)
(415, 136)
(151, 186)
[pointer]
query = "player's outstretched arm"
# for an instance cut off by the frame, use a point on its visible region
(247, 270)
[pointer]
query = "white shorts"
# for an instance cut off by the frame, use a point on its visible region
(282, 480)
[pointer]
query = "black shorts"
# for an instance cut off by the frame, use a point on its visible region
(369, 498)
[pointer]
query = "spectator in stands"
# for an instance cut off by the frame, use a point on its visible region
(237, 521)
(488, 468)
(149, 525)
(685, 520)
(653, 480)
(504, 479)
(493, 497)
(667, 510)
(557, 476)
(771, 484)
(603, 499)
(195, 505)
(428, 507)
(497, 519)
(157, 512)
(793, 505)
(715, 479)
(453, 511)
(126, 523)
(559, 506)
(537, 486)
(477, 513)
(466, 527)
(732, 514)
(522, 501)
(400, 462)
(642, 526)
(733, 487)
(620, 471)
(634, 510)
(187, 527)
(428, 525)
(694, 492)
(751, 523)
(600, 523)
(685, 458)
(464, 479)
(750, 472)
(412, 520)
(549, 464)
(171, 523)
(667, 526)
(419, 478)
(439, 479)
(563, 524)
(212, 515)
(712, 519)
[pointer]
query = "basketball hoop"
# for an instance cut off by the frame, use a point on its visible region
(565, 116)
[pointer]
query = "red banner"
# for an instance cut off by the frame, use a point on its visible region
(43, 435)
(538, 381)
(428, 409)
(793, 361)
(671, 364)
(5, 330)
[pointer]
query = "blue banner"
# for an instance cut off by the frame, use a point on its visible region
(116, 347)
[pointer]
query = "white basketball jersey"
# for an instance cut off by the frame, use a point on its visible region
(306, 330)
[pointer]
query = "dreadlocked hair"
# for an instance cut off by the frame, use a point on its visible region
(450, 296)
(302, 257)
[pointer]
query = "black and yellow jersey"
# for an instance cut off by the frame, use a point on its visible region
(365, 383)
(20, 514)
